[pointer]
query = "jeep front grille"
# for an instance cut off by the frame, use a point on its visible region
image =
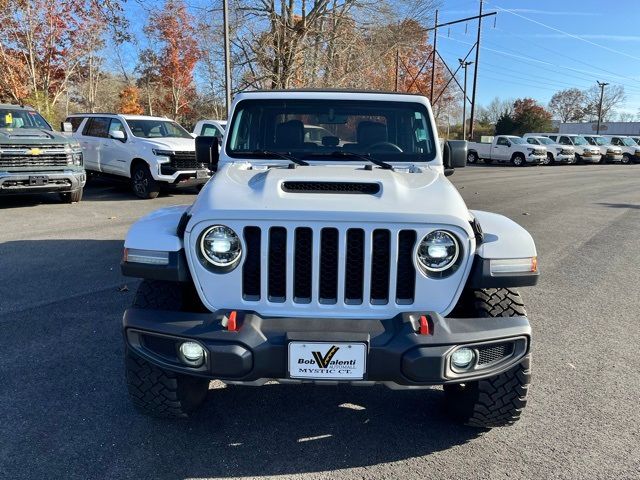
(328, 265)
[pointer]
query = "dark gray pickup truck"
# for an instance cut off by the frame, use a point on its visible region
(35, 159)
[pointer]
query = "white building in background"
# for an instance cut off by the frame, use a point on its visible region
(606, 128)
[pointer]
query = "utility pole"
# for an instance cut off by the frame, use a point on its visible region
(433, 65)
(464, 65)
(601, 85)
(227, 59)
(475, 74)
(397, 67)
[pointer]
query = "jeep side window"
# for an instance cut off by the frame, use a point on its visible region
(97, 127)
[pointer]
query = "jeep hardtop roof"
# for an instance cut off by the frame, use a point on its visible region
(334, 94)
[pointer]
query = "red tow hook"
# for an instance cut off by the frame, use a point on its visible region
(425, 326)
(230, 322)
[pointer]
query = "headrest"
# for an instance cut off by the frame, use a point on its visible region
(371, 132)
(290, 134)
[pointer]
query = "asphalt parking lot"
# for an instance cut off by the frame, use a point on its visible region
(65, 412)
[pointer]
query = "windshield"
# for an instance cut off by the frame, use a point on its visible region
(516, 140)
(157, 129)
(545, 141)
(16, 118)
(636, 139)
(333, 130)
(579, 141)
(628, 142)
(600, 140)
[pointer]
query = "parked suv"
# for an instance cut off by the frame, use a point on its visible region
(35, 159)
(630, 149)
(355, 261)
(151, 152)
(610, 153)
(556, 153)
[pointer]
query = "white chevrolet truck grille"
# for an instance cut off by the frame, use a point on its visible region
(328, 265)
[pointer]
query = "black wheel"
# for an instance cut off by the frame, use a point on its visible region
(549, 159)
(72, 197)
(518, 160)
(472, 157)
(626, 159)
(499, 400)
(143, 184)
(154, 390)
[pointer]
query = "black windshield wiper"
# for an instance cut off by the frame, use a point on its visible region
(366, 158)
(285, 156)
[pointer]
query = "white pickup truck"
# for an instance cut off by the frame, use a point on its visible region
(556, 153)
(507, 148)
(630, 150)
(584, 152)
(610, 153)
(210, 128)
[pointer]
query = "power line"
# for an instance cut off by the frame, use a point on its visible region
(577, 37)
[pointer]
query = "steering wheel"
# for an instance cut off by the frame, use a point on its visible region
(385, 147)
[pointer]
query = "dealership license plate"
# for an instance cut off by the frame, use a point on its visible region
(202, 174)
(38, 180)
(327, 360)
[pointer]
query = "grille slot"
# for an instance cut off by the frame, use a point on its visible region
(380, 264)
(354, 268)
(303, 269)
(406, 276)
(331, 187)
(329, 265)
(493, 353)
(277, 270)
(251, 268)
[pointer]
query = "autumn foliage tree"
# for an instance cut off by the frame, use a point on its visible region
(174, 33)
(130, 101)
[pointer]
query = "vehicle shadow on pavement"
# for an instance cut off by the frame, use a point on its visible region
(621, 205)
(65, 402)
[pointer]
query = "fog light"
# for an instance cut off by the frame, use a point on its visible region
(462, 357)
(192, 353)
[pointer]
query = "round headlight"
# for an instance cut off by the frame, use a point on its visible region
(220, 246)
(438, 251)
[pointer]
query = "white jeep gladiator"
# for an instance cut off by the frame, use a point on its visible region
(507, 148)
(350, 261)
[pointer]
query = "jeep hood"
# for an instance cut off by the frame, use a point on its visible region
(239, 191)
(30, 136)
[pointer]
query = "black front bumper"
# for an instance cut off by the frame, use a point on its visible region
(257, 351)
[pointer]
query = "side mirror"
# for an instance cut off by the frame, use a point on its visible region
(118, 135)
(508, 144)
(66, 127)
(207, 152)
(455, 155)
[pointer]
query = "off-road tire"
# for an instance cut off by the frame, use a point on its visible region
(72, 197)
(154, 390)
(142, 182)
(518, 160)
(499, 400)
(162, 393)
(472, 158)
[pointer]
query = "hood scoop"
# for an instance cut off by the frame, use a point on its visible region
(363, 188)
